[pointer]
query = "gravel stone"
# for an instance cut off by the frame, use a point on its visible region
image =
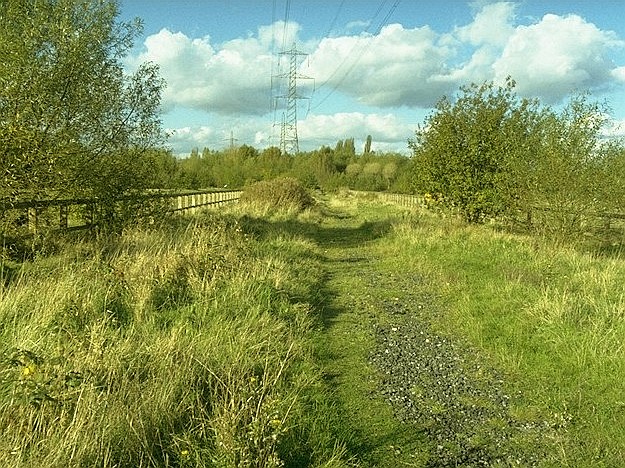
(441, 386)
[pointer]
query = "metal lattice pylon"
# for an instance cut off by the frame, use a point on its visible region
(289, 143)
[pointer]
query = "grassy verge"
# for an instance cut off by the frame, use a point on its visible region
(550, 317)
(180, 346)
(280, 339)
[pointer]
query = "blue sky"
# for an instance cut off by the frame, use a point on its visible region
(377, 66)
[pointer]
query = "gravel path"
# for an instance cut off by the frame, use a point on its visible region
(468, 413)
(442, 386)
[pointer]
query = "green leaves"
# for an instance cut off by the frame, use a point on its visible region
(459, 153)
(72, 123)
(492, 154)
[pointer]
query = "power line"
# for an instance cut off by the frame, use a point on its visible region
(336, 16)
(370, 38)
(287, 12)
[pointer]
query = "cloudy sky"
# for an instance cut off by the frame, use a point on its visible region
(366, 66)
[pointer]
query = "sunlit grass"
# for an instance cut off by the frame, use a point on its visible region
(199, 342)
(184, 345)
(549, 315)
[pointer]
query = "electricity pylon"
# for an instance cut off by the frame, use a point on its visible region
(289, 143)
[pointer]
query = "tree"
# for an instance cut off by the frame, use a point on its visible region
(71, 122)
(490, 154)
(574, 173)
(389, 170)
(367, 145)
(462, 153)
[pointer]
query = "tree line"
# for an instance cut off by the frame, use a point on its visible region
(74, 123)
(328, 168)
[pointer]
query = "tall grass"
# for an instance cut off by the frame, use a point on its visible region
(284, 194)
(551, 316)
(180, 346)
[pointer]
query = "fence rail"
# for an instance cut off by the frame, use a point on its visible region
(81, 213)
(401, 199)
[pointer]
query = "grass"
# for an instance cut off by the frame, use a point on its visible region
(284, 194)
(243, 339)
(548, 315)
(184, 345)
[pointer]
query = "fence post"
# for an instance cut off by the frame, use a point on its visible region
(89, 214)
(63, 216)
(33, 221)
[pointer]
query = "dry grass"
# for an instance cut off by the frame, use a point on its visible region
(177, 346)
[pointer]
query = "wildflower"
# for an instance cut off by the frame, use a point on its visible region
(29, 370)
(184, 453)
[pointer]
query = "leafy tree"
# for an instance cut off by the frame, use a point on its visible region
(367, 149)
(574, 173)
(71, 121)
(162, 169)
(491, 154)
(344, 153)
(461, 154)
(389, 170)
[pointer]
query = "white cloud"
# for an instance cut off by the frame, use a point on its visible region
(491, 25)
(231, 78)
(183, 139)
(279, 34)
(411, 67)
(359, 24)
(389, 132)
(615, 129)
(318, 130)
(619, 74)
(557, 55)
(397, 67)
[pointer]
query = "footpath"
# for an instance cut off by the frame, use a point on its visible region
(407, 395)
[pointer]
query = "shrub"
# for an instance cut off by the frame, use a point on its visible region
(282, 193)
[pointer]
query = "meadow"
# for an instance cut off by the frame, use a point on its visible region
(244, 338)
(184, 344)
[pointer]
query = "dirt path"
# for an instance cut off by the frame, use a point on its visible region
(410, 396)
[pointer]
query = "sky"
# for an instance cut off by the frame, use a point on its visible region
(366, 67)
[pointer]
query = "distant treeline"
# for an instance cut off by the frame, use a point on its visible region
(326, 167)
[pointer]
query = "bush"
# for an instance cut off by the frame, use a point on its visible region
(491, 154)
(282, 193)
(463, 150)
(178, 346)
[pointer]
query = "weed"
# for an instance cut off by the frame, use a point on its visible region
(176, 345)
(278, 194)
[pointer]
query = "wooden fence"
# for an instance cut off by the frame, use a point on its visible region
(584, 220)
(401, 199)
(74, 214)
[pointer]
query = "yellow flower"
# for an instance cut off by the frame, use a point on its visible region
(29, 370)
(184, 453)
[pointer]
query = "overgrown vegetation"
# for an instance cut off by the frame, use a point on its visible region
(547, 315)
(72, 123)
(490, 154)
(184, 345)
(328, 168)
(197, 342)
(284, 194)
